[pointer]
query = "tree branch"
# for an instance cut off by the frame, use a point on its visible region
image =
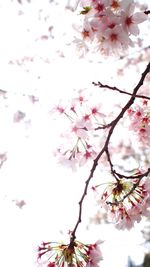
(147, 12)
(105, 148)
(119, 90)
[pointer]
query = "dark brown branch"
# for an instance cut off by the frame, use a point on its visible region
(139, 176)
(119, 90)
(105, 148)
(104, 126)
(147, 12)
(110, 163)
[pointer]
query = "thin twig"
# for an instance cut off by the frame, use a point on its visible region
(119, 90)
(104, 126)
(139, 176)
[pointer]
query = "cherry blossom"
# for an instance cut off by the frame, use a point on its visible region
(83, 117)
(75, 254)
(139, 122)
(94, 254)
(18, 116)
(108, 25)
(115, 39)
(130, 20)
(126, 200)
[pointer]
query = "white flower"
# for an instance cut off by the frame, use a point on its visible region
(115, 40)
(130, 20)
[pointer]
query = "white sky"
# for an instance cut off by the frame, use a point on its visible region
(31, 173)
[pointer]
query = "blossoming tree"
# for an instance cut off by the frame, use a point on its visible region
(108, 27)
(106, 127)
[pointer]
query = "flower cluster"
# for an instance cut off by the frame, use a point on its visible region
(139, 117)
(126, 200)
(79, 143)
(110, 24)
(75, 254)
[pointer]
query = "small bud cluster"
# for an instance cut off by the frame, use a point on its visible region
(75, 254)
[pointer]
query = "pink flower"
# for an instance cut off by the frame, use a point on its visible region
(87, 32)
(95, 255)
(80, 98)
(88, 155)
(19, 116)
(75, 254)
(110, 20)
(80, 128)
(58, 109)
(130, 20)
(101, 15)
(100, 6)
(115, 39)
(139, 122)
(126, 200)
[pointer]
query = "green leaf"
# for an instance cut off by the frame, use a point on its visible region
(85, 10)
